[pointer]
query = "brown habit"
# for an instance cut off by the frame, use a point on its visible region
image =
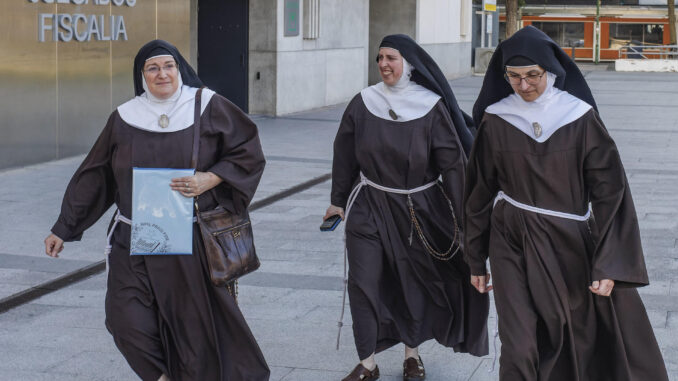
(399, 292)
(163, 312)
(551, 326)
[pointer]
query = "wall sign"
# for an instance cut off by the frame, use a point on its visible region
(81, 27)
(291, 18)
(490, 5)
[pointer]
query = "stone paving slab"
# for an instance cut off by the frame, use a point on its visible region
(293, 302)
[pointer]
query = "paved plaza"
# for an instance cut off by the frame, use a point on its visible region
(293, 301)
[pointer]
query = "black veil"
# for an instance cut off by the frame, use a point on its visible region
(535, 45)
(158, 47)
(428, 74)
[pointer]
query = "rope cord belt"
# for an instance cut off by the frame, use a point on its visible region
(503, 196)
(414, 224)
(117, 218)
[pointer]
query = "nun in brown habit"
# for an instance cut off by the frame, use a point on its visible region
(166, 317)
(405, 283)
(547, 200)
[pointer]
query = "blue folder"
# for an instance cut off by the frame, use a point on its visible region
(162, 219)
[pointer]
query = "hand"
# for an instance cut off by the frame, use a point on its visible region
(481, 283)
(332, 210)
(192, 186)
(603, 287)
(53, 245)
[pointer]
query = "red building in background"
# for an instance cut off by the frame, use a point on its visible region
(572, 24)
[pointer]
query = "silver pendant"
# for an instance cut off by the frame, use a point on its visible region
(537, 129)
(392, 113)
(163, 121)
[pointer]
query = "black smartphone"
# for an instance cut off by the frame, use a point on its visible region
(330, 223)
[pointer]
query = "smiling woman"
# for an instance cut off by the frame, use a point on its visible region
(165, 315)
(390, 65)
(406, 281)
(161, 76)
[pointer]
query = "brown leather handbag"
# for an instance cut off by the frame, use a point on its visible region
(228, 238)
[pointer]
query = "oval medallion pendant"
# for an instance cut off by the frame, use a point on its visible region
(163, 121)
(393, 115)
(537, 129)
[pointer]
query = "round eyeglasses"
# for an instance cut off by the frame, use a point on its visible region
(154, 69)
(516, 79)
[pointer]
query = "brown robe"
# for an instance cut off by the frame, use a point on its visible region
(399, 292)
(163, 312)
(551, 326)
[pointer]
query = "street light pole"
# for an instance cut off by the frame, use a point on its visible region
(596, 48)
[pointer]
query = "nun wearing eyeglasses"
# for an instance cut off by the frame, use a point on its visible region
(166, 317)
(407, 282)
(547, 200)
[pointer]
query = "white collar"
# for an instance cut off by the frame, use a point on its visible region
(406, 98)
(143, 111)
(553, 109)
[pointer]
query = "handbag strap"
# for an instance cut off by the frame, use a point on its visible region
(196, 141)
(196, 129)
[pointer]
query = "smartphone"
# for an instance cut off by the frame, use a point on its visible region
(330, 223)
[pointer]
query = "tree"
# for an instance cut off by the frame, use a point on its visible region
(672, 21)
(512, 17)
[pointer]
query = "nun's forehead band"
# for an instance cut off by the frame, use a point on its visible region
(160, 55)
(520, 67)
(385, 46)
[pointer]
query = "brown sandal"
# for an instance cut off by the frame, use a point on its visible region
(413, 369)
(360, 373)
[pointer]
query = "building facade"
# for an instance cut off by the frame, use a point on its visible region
(68, 63)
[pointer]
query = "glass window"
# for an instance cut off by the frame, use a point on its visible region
(638, 34)
(565, 34)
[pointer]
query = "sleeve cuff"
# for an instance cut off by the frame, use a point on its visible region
(478, 270)
(477, 267)
(60, 230)
(338, 202)
(220, 169)
(621, 281)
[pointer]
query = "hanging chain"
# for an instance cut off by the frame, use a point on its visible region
(233, 289)
(448, 254)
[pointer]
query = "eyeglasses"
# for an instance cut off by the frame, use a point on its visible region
(516, 79)
(153, 70)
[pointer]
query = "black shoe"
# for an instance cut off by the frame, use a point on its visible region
(413, 370)
(360, 373)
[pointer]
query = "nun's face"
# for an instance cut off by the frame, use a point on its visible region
(390, 65)
(161, 74)
(529, 82)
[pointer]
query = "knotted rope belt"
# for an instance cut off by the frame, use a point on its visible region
(414, 225)
(503, 196)
(117, 218)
